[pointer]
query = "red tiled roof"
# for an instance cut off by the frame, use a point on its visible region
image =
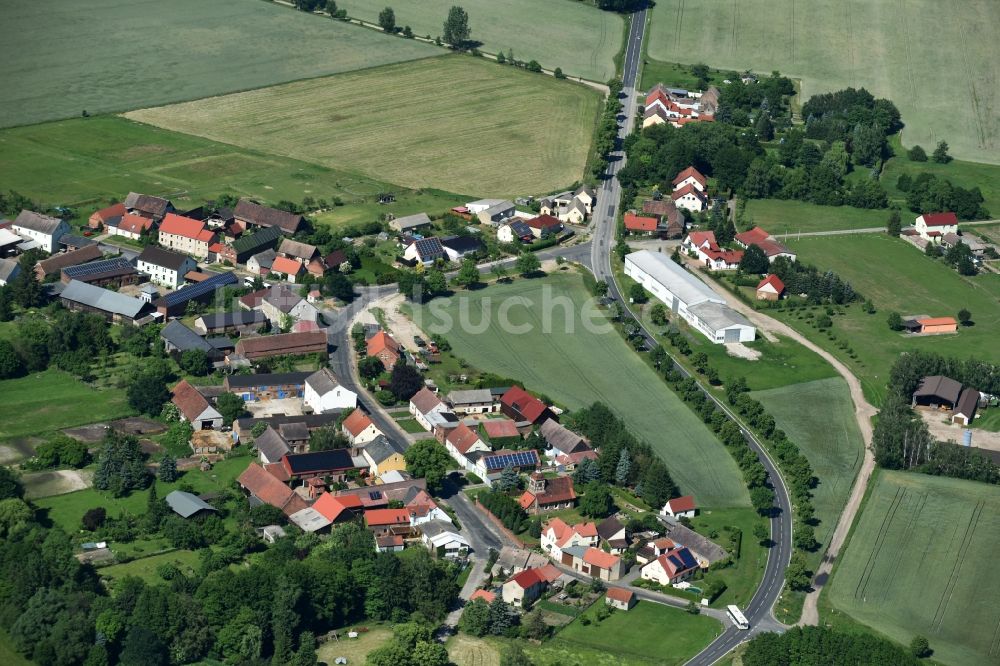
(681, 504)
(135, 224)
(485, 595)
(527, 578)
(526, 499)
(356, 422)
(619, 594)
(772, 248)
(599, 558)
(752, 236)
(690, 172)
(286, 266)
(255, 298)
(384, 517)
(215, 247)
(118, 210)
(278, 471)
(543, 222)
(270, 490)
(381, 341)
(635, 222)
(499, 428)
(937, 321)
(688, 189)
(774, 281)
(350, 500)
(331, 506)
(728, 256)
(548, 573)
(699, 238)
(187, 399)
(178, 225)
(389, 541)
(462, 438)
(940, 219)
(557, 491)
(523, 403)
(284, 343)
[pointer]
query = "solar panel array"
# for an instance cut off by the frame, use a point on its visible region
(196, 290)
(98, 267)
(517, 459)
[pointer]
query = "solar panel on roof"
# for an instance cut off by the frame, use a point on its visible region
(375, 495)
(95, 267)
(200, 289)
(519, 459)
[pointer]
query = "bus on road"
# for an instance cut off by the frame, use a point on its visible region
(737, 618)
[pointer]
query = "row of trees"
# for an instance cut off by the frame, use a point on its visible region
(826, 287)
(929, 194)
(821, 646)
(607, 128)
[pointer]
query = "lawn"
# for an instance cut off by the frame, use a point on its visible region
(145, 568)
(466, 125)
(818, 416)
(11, 657)
(89, 163)
(47, 401)
(649, 633)
(898, 277)
(742, 578)
(353, 649)
(988, 419)
(575, 36)
(548, 334)
(465, 650)
(410, 425)
(920, 561)
(870, 43)
(67, 510)
(782, 217)
(190, 49)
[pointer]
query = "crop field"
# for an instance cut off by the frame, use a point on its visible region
(947, 87)
(921, 561)
(575, 36)
(781, 217)
(898, 277)
(63, 57)
(637, 636)
(87, 163)
(47, 401)
(818, 416)
(579, 367)
(457, 123)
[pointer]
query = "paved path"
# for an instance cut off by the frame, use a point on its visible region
(866, 230)
(863, 414)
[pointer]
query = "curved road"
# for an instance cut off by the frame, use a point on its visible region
(759, 611)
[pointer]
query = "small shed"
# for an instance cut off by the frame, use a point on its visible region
(186, 504)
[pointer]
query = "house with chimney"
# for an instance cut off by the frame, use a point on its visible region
(543, 494)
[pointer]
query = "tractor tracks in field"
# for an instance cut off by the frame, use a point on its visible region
(956, 571)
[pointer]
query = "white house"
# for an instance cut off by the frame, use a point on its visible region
(473, 401)
(9, 270)
(443, 537)
(687, 296)
(44, 230)
(425, 250)
(359, 429)
(424, 403)
(282, 301)
(164, 267)
(691, 198)
(671, 567)
(933, 226)
(679, 507)
(323, 393)
(556, 535)
(690, 176)
(462, 441)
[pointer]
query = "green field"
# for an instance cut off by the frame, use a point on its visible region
(898, 277)
(63, 57)
(67, 510)
(650, 633)
(819, 418)
(145, 568)
(945, 87)
(921, 561)
(780, 217)
(89, 163)
(457, 122)
(47, 401)
(583, 366)
(557, 33)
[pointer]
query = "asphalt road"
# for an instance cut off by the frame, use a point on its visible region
(759, 610)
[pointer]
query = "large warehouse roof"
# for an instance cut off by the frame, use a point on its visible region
(718, 316)
(685, 286)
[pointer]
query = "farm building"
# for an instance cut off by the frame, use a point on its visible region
(410, 222)
(185, 235)
(177, 302)
(770, 288)
(472, 401)
(944, 393)
(115, 307)
(57, 262)
(252, 214)
(640, 224)
(116, 272)
(680, 507)
(105, 216)
(686, 295)
(247, 245)
(146, 205)
(42, 229)
(359, 429)
(240, 322)
(266, 386)
(194, 408)
(933, 325)
(934, 226)
(521, 406)
(9, 269)
(284, 344)
(620, 598)
(186, 504)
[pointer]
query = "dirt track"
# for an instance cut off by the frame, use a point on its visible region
(863, 413)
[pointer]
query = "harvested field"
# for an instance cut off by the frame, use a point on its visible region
(62, 57)
(468, 125)
(58, 482)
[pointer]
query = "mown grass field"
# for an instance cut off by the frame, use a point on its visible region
(465, 650)
(920, 561)
(63, 57)
(580, 367)
(575, 36)
(781, 217)
(650, 633)
(458, 123)
(353, 649)
(945, 87)
(47, 401)
(898, 277)
(818, 416)
(88, 163)
(145, 568)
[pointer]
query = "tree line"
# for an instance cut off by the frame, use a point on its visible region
(821, 646)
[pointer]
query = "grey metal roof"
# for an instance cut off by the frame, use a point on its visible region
(661, 268)
(322, 381)
(470, 396)
(272, 445)
(161, 257)
(309, 519)
(186, 504)
(410, 222)
(227, 319)
(938, 386)
(8, 268)
(718, 315)
(102, 299)
(499, 207)
(183, 338)
(433, 528)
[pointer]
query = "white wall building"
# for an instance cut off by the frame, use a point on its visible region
(687, 296)
(44, 230)
(325, 394)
